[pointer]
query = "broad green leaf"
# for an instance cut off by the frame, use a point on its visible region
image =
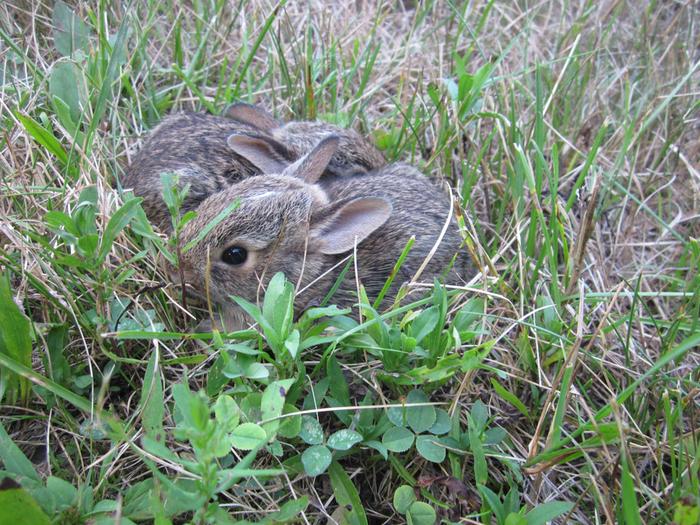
(379, 447)
(344, 439)
(404, 496)
(57, 220)
(278, 306)
(397, 415)
(442, 424)
(479, 414)
(629, 503)
(271, 335)
(328, 311)
(191, 408)
(338, 387)
(428, 447)
(15, 343)
(290, 426)
(66, 84)
(256, 371)
(509, 397)
(420, 513)
(137, 500)
(292, 343)
(290, 510)
(152, 403)
(316, 460)
(18, 507)
(546, 512)
(445, 367)
(311, 431)
(248, 436)
(425, 323)
(116, 224)
(44, 137)
(272, 404)
(514, 518)
(476, 446)
(419, 418)
(14, 460)
(57, 365)
(66, 495)
(468, 316)
(250, 405)
(227, 412)
(346, 494)
(398, 439)
(687, 512)
(70, 34)
(493, 502)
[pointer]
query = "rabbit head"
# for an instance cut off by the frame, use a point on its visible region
(284, 222)
(354, 154)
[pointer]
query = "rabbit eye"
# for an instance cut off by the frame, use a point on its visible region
(234, 255)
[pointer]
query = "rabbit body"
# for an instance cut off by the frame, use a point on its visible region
(294, 223)
(420, 209)
(193, 147)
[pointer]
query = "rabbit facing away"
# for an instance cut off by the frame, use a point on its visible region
(286, 221)
(193, 146)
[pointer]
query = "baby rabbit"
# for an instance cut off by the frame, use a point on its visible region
(289, 222)
(193, 146)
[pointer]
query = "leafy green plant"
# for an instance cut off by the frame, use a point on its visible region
(510, 512)
(52, 498)
(422, 347)
(575, 181)
(15, 343)
(416, 512)
(317, 458)
(213, 430)
(417, 423)
(80, 84)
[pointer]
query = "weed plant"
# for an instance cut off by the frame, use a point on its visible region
(560, 383)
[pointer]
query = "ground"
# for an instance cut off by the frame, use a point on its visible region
(565, 371)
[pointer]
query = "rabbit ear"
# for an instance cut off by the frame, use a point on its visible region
(311, 166)
(252, 115)
(265, 153)
(343, 225)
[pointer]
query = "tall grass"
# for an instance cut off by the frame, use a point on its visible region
(559, 383)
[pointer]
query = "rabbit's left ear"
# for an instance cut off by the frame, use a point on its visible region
(311, 166)
(265, 153)
(340, 226)
(252, 115)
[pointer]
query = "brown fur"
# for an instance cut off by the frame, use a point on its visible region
(283, 221)
(193, 146)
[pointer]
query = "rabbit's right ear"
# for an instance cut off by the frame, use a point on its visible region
(252, 115)
(342, 225)
(311, 166)
(265, 153)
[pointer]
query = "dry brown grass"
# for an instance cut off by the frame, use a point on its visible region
(632, 66)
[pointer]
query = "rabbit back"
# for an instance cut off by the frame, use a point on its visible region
(193, 147)
(421, 209)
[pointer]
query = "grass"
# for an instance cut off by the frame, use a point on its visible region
(565, 373)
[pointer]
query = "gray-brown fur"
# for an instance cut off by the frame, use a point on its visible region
(354, 152)
(284, 222)
(193, 146)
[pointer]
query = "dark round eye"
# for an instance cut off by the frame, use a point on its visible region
(234, 255)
